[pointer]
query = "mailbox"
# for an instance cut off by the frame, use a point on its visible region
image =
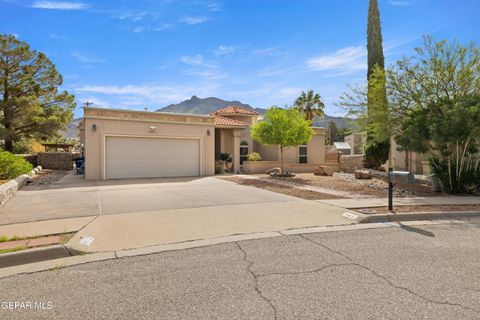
(394, 177)
(402, 177)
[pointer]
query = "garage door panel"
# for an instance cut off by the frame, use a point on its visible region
(131, 157)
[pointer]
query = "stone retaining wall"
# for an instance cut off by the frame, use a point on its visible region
(55, 160)
(350, 163)
(8, 190)
(32, 158)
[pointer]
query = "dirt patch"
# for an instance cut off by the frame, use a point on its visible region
(291, 191)
(46, 177)
(426, 208)
(332, 183)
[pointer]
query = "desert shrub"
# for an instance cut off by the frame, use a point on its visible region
(225, 157)
(12, 166)
(253, 156)
(461, 177)
(219, 167)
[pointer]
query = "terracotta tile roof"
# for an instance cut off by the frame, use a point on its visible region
(236, 110)
(224, 121)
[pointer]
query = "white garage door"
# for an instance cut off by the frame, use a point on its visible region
(131, 157)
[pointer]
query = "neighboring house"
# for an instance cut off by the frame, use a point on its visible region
(142, 144)
(356, 141)
(343, 147)
(401, 160)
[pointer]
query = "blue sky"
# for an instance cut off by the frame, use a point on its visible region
(150, 53)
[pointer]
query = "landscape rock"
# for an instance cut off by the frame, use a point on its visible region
(362, 174)
(273, 170)
(323, 171)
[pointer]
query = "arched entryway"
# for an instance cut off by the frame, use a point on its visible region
(243, 151)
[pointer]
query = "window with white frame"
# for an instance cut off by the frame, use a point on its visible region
(243, 151)
(302, 154)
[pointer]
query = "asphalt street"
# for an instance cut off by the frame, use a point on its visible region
(424, 272)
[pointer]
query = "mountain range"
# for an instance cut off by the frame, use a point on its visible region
(198, 105)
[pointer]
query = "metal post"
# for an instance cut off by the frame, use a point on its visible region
(390, 191)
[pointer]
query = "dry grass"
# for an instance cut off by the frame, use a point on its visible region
(266, 185)
(13, 249)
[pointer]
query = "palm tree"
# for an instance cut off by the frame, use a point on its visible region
(310, 104)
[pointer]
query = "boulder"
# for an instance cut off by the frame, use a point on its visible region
(323, 171)
(273, 170)
(363, 174)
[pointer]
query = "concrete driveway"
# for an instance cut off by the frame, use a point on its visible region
(72, 196)
(140, 213)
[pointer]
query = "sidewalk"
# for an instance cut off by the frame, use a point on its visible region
(383, 202)
(43, 228)
(136, 230)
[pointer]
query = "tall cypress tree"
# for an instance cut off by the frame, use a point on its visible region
(376, 152)
(374, 38)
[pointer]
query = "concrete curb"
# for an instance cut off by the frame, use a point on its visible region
(8, 190)
(110, 255)
(32, 255)
(395, 217)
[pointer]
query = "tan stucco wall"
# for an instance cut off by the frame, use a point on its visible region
(315, 150)
(268, 153)
(138, 124)
(399, 159)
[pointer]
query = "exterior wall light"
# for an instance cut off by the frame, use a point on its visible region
(208, 132)
(94, 127)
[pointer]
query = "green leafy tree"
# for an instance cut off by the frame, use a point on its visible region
(435, 97)
(31, 105)
(283, 128)
(378, 146)
(310, 104)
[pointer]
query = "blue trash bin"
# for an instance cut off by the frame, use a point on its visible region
(79, 164)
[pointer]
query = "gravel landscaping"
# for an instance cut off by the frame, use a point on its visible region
(46, 177)
(339, 186)
(400, 190)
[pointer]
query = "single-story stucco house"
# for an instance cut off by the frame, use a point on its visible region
(142, 144)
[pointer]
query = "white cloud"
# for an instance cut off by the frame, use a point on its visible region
(214, 6)
(345, 60)
(130, 15)
(206, 74)
(221, 50)
(59, 5)
(400, 3)
(267, 52)
(87, 59)
(196, 60)
(162, 27)
(146, 94)
(193, 20)
(138, 29)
